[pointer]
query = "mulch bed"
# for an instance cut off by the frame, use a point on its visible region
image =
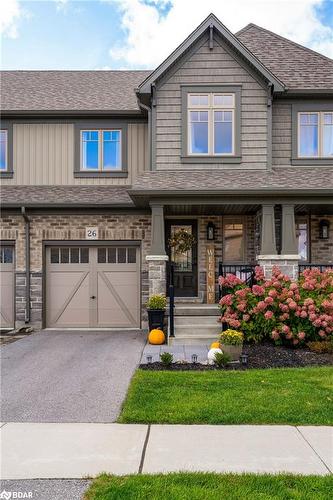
(259, 356)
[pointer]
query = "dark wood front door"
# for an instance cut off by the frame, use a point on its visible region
(185, 264)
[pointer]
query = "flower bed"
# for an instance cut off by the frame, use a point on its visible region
(289, 312)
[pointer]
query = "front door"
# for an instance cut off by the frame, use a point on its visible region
(185, 264)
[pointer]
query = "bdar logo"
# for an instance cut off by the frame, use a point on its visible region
(5, 494)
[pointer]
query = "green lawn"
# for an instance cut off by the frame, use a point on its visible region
(292, 396)
(200, 486)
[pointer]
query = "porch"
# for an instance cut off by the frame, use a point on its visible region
(230, 238)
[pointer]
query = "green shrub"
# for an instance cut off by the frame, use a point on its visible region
(222, 359)
(166, 358)
(158, 301)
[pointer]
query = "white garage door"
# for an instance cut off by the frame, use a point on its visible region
(7, 287)
(93, 286)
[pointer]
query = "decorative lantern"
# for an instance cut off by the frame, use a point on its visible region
(324, 226)
(210, 231)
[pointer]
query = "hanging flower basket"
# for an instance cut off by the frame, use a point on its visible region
(181, 241)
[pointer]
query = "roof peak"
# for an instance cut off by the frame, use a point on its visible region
(276, 35)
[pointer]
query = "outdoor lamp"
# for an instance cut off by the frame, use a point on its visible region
(244, 359)
(194, 358)
(324, 226)
(210, 231)
(149, 359)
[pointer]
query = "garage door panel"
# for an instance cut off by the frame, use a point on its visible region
(68, 303)
(6, 287)
(117, 298)
(101, 290)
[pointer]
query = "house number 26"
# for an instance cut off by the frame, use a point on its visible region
(91, 233)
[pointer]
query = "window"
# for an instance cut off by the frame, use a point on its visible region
(116, 255)
(3, 150)
(69, 255)
(302, 238)
(101, 150)
(233, 242)
(315, 134)
(6, 255)
(211, 124)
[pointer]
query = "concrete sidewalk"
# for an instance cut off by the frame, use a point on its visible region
(44, 450)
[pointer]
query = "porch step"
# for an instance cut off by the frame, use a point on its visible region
(196, 329)
(196, 310)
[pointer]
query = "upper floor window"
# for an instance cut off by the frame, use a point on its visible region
(3, 150)
(211, 124)
(315, 134)
(101, 150)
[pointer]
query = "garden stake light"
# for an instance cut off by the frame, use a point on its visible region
(149, 359)
(194, 358)
(244, 358)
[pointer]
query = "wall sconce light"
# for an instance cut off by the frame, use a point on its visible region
(324, 226)
(210, 231)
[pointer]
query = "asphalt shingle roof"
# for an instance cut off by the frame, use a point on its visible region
(291, 178)
(70, 90)
(296, 66)
(64, 195)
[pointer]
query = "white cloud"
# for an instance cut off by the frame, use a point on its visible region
(150, 36)
(10, 13)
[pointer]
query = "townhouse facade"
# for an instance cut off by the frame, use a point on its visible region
(229, 139)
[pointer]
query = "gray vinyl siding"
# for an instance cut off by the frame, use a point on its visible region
(281, 134)
(213, 67)
(43, 154)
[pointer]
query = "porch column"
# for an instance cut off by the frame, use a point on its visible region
(268, 243)
(289, 240)
(268, 254)
(157, 257)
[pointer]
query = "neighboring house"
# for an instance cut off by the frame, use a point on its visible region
(231, 135)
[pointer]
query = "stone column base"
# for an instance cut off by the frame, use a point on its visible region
(288, 264)
(157, 273)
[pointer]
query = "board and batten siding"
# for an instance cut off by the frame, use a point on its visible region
(43, 154)
(214, 67)
(281, 134)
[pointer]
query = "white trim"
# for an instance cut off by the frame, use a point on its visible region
(320, 134)
(279, 257)
(100, 150)
(210, 109)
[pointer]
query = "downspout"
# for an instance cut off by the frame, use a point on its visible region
(270, 89)
(27, 264)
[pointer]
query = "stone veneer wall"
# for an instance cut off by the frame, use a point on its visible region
(68, 227)
(321, 250)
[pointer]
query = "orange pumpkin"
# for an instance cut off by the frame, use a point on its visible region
(215, 345)
(156, 337)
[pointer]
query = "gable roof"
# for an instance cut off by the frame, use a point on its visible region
(210, 21)
(68, 91)
(296, 66)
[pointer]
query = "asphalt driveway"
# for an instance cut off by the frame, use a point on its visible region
(68, 376)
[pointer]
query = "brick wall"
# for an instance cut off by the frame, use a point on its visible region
(321, 250)
(65, 227)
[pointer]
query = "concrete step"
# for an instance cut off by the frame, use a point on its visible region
(197, 320)
(181, 339)
(196, 310)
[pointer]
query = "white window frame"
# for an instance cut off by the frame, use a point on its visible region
(210, 109)
(6, 150)
(320, 115)
(100, 150)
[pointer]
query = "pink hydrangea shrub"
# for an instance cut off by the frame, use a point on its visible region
(289, 312)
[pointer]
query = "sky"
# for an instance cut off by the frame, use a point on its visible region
(140, 34)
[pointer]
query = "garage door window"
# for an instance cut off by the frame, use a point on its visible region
(117, 255)
(69, 255)
(6, 255)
